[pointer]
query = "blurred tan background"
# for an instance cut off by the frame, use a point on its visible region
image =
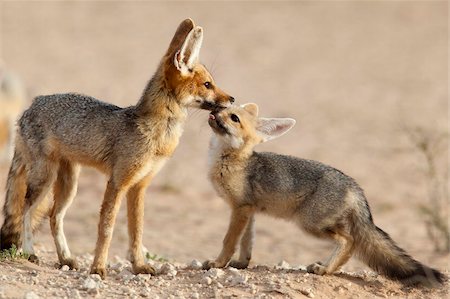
(353, 74)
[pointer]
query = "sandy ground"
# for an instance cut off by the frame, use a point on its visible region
(351, 74)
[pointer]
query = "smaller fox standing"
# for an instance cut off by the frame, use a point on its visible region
(320, 199)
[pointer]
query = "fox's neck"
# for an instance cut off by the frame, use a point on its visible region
(223, 156)
(158, 105)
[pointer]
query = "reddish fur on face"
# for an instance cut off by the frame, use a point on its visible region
(193, 85)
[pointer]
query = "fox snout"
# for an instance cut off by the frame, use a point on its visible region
(218, 104)
(217, 123)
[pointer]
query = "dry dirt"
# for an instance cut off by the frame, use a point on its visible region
(352, 74)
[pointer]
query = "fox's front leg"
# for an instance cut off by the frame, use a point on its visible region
(246, 246)
(135, 207)
(108, 213)
(240, 217)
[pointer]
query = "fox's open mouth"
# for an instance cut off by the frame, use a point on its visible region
(217, 125)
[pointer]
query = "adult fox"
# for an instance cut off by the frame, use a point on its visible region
(60, 132)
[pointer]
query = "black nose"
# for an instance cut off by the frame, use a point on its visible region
(231, 100)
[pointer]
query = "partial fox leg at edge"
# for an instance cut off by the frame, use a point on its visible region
(135, 209)
(41, 176)
(340, 256)
(240, 217)
(64, 192)
(108, 213)
(246, 247)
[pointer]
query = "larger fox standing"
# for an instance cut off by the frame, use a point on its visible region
(60, 132)
(320, 199)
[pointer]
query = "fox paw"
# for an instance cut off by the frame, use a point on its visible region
(144, 269)
(101, 271)
(34, 259)
(317, 268)
(238, 264)
(212, 264)
(72, 263)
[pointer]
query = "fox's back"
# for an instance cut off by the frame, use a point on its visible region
(283, 185)
(75, 124)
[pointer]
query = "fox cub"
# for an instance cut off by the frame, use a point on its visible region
(320, 199)
(58, 133)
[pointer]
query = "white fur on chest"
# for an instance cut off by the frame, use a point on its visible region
(227, 179)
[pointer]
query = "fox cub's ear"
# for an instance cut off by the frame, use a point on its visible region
(186, 57)
(251, 108)
(271, 128)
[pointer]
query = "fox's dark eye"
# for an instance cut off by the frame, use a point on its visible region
(208, 85)
(235, 118)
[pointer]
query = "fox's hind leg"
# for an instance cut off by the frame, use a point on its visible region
(246, 247)
(64, 192)
(41, 175)
(340, 256)
(135, 207)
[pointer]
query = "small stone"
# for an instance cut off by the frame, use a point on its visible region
(168, 269)
(207, 280)
(145, 292)
(89, 284)
(307, 292)
(119, 266)
(195, 265)
(31, 295)
(141, 278)
(233, 271)
(283, 265)
(215, 273)
(125, 274)
(95, 277)
(195, 295)
(65, 268)
(239, 279)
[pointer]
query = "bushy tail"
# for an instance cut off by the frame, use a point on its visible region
(376, 248)
(13, 208)
(14, 203)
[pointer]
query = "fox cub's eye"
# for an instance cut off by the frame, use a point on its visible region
(208, 85)
(235, 118)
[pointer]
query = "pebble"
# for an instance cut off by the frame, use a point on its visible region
(125, 275)
(31, 295)
(195, 265)
(215, 273)
(168, 269)
(239, 279)
(283, 265)
(90, 285)
(195, 296)
(65, 268)
(207, 280)
(145, 292)
(119, 266)
(307, 292)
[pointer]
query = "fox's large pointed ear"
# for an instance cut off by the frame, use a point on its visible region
(271, 128)
(187, 56)
(180, 36)
(251, 108)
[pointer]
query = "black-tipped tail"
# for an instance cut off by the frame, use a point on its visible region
(376, 248)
